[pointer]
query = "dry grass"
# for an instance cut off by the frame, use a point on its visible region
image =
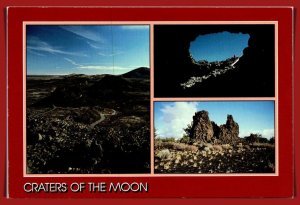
(226, 146)
(218, 148)
(263, 145)
(175, 146)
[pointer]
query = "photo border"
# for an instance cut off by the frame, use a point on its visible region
(154, 99)
(65, 23)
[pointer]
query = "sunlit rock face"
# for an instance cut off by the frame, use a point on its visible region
(254, 74)
(229, 133)
(202, 129)
(206, 131)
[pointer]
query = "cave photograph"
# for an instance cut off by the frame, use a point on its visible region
(214, 137)
(87, 99)
(211, 60)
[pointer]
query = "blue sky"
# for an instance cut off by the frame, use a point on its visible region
(218, 46)
(252, 116)
(86, 49)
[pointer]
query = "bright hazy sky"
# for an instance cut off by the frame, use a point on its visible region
(86, 49)
(252, 116)
(218, 46)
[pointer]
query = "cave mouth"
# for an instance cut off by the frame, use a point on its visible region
(218, 46)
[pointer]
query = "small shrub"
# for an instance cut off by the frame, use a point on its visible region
(168, 139)
(185, 139)
(256, 138)
(263, 145)
(188, 130)
(158, 144)
(206, 149)
(210, 146)
(179, 146)
(247, 147)
(240, 145)
(163, 154)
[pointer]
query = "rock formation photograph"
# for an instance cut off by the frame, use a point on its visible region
(87, 99)
(214, 137)
(214, 60)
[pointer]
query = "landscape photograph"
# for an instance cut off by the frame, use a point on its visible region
(214, 60)
(87, 99)
(214, 137)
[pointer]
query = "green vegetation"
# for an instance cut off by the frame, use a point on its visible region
(257, 138)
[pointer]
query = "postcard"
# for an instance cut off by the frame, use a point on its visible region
(116, 102)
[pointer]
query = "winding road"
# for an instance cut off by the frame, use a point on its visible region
(102, 118)
(92, 125)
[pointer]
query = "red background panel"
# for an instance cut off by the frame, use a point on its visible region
(209, 187)
(229, 186)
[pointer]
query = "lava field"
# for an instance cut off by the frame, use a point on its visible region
(79, 124)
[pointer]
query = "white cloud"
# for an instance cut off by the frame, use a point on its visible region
(34, 44)
(35, 53)
(109, 55)
(72, 62)
(268, 133)
(174, 118)
(86, 32)
(106, 50)
(93, 45)
(97, 69)
(246, 133)
(101, 67)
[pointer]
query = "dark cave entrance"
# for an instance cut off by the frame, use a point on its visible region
(253, 72)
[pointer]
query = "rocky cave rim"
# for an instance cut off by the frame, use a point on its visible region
(195, 60)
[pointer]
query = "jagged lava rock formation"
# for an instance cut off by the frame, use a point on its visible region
(214, 149)
(204, 130)
(229, 133)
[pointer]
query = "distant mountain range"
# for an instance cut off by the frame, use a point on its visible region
(83, 90)
(141, 72)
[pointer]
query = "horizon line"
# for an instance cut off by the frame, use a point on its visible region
(61, 74)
